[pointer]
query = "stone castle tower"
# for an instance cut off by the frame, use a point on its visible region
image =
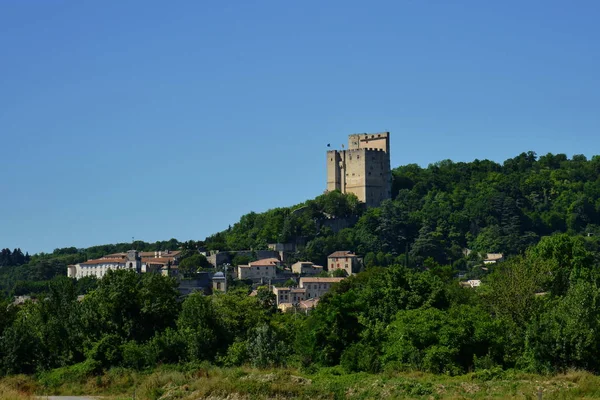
(363, 169)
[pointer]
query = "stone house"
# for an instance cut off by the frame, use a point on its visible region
(317, 287)
(306, 268)
(344, 260)
(260, 270)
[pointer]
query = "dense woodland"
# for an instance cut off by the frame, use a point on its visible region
(537, 311)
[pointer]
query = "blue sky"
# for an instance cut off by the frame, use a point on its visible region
(155, 120)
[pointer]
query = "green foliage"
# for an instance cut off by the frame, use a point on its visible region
(193, 263)
(536, 311)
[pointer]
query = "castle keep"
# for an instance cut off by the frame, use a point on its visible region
(362, 169)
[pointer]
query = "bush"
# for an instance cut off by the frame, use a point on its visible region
(360, 357)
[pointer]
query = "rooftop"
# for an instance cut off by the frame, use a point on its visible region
(266, 262)
(219, 275)
(156, 260)
(104, 261)
(320, 280)
(493, 256)
(342, 253)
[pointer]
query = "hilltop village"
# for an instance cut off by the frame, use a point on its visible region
(352, 279)
(363, 169)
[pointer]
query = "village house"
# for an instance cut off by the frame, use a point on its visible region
(317, 287)
(260, 270)
(306, 295)
(343, 260)
(306, 268)
(288, 295)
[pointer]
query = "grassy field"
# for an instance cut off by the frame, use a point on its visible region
(215, 383)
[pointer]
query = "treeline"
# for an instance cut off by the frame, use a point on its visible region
(13, 258)
(536, 312)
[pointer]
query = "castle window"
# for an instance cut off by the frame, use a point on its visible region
(369, 173)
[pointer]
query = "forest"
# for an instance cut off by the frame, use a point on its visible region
(535, 312)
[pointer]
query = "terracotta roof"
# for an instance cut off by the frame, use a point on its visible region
(339, 254)
(319, 280)
(104, 261)
(265, 262)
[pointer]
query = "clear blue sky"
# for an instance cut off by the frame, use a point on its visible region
(172, 119)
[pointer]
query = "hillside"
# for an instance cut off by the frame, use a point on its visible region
(435, 214)
(438, 211)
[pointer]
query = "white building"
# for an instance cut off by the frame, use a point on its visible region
(129, 261)
(306, 295)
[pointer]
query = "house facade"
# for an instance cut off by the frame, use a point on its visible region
(260, 270)
(289, 295)
(343, 260)
(317, 287)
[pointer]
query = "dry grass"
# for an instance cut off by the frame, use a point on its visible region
(18, 387)
(212, 383)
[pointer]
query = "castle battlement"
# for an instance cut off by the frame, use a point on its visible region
(368, 178)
